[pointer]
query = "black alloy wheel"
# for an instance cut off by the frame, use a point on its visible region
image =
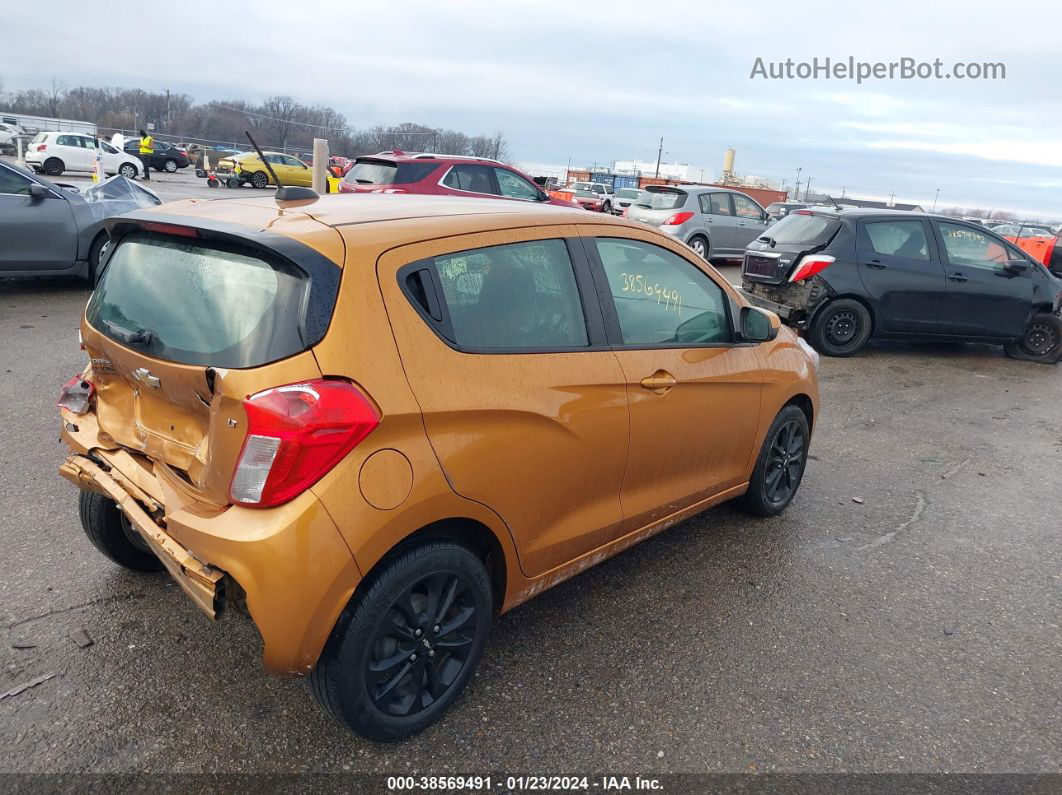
(779, 468)
(422, 644)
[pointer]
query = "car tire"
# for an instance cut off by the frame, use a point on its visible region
(841, 328)
(94, 257)
(388, 654)
(606, 208)
(701, 247)
(780, 465)
(110, 532)
(259, 180)
(54, 167)
(128, 170)
(170, 166)
(1042, 341)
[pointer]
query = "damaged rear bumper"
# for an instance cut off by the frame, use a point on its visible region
(794, 302)
(204, 583)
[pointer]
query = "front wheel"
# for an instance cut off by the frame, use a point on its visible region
(606, 208)
(841, 328)
(128, 170)
(780, 464)
(1042, 341)
(407, 645)
(110, 532)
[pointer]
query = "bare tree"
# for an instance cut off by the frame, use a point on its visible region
(278, 116)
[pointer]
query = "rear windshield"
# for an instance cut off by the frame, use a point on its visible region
(803, 228)
(662, 200)
(187, 302)
(383, 172)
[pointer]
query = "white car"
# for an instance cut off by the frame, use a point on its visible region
(55, 152)
(8, 133)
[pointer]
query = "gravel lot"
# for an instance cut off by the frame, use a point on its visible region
(903, 615)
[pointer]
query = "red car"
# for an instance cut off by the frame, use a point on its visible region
(449, 175)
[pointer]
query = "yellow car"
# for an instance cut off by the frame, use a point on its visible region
(248, 167)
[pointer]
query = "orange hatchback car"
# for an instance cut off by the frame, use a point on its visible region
(374, 424)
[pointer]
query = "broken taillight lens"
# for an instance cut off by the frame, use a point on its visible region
(77, 395)
(810, 265)
(295, 435)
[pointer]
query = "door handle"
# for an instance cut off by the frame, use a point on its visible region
(957, 277)
(877, 265)
(659, 382)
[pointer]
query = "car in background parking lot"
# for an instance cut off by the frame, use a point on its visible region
(166, 157)
(624, 198)
(776, 211)
(248, 168)
(54, 153)
(595, 196)
(714, 222)
(850, 275)
(48, 229)
(448, 175)
(1021, 230)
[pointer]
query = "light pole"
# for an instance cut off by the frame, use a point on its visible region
(796, 190)
(807, 189)
(935, 201)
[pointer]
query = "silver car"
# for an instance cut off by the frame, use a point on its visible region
(714, 222)
(625, 197)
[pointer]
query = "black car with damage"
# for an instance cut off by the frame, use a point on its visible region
(849, 275)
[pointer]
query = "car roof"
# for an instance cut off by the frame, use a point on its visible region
(398, 156)
(375, 220)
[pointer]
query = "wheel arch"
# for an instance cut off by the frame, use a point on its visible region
(852, 296)
(806, 405)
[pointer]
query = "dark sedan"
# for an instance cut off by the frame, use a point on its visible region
(47, 229)
(166, 157)
(849, 275)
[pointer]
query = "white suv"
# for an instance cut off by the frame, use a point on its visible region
(56, 152)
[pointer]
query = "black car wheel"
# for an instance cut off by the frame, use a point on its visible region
(110, 532)
(99, 246)
(260, 179)
(606, 208)
(1042, 341)
(408, 643)
(54, 167)
(780, 465)
(170, 165)
(841, 328)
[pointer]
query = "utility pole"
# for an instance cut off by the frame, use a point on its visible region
(796, 190)
(892, 199)
(842, 191)
(659, 154)
(935, 201)
(807, 189)
(167, 108)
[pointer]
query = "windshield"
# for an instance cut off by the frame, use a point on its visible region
(662, 200)
(384, 172)
(585, 192)
(628, 193)
(803, 228)
(192, 303)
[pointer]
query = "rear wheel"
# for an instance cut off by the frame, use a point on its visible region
(1042, 341)
(699, 245)
(780, 464)
(407, 645)
(170, 165)
(841, 328)
(54, 167)
(110, 532)
(260, 179)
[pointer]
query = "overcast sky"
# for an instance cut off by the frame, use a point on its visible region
(599, 82)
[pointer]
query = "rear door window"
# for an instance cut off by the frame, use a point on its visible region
(898, 239)
(471, 178)
(719, 204)
(515, 296)
(193, 303)
(661, 298)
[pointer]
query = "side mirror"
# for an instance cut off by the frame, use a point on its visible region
(1016, 267)
(758, 325)
(37, 191)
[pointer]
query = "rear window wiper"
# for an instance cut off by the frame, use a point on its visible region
(768, 239)
(138, 337)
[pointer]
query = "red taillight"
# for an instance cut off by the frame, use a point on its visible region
(171, 229)
(624, 213)
(76, 395)
(810, 265)
(678, 218)
(295, 435)
(41, 147)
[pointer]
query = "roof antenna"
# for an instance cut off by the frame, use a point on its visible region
(834, 203)
(285, 193)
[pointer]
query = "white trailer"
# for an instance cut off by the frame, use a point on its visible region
(31, 125)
